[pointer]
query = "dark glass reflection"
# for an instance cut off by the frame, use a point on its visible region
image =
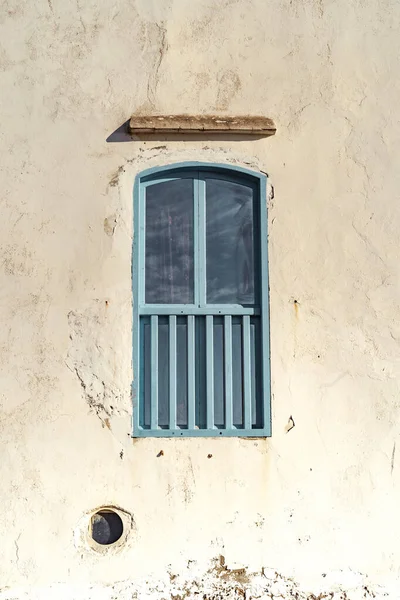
(169, 243)
(229, 243)
(181, 373)
(146, 372)
(237, 374)
(219, 388)
(256, 375)
(163, 372)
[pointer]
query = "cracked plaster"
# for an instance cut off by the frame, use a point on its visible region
(317, 502)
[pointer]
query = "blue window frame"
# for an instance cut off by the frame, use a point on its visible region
(200, 298)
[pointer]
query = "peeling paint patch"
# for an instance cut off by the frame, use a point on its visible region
(228, 86)
(110, 224)
(115, 177)
(218, 582)
(17, 260)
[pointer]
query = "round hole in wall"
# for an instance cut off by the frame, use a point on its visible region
(106, 527)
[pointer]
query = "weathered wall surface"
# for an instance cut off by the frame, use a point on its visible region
(318, 504)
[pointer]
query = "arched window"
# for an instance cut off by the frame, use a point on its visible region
(200, 294)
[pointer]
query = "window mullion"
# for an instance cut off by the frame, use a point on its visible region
(141, 244)
(202, 301)
(196, 239)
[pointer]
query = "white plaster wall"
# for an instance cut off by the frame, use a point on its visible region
(318, 504)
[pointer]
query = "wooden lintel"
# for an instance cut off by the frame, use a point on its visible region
(246, 125)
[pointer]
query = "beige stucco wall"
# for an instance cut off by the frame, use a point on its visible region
(318, 504)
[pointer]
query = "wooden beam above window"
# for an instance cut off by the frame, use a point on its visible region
(246, 125)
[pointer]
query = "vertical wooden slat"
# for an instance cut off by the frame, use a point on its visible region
(210, 370)
(228, 371)
(172, 371)
(154, 372)
(246, 371)
(191, 371)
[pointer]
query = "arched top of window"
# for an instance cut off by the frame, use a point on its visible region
(199, 254)
(218, 168)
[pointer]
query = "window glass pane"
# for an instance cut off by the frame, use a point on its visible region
(169, 243)
(163, 373)
(256, 373)
(237, 376)
(229, 243)
(219, 389)
(201, 375)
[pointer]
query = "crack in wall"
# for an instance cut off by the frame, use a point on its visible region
(369, 246)
(17, 557)
(91, 357)
(392, 460)
(94, 402)
(161, 42)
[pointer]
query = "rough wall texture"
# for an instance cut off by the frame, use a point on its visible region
(311, 512)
